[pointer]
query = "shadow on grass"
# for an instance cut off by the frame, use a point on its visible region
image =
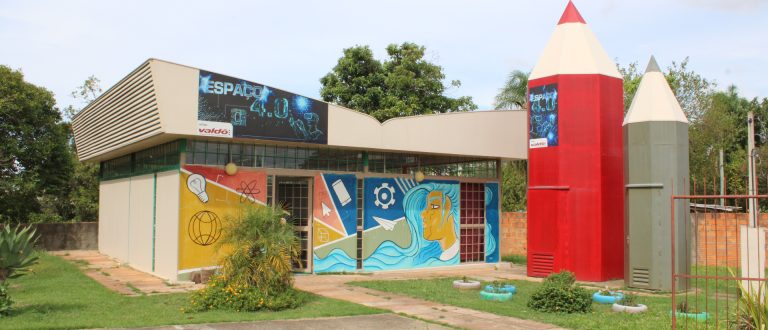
(45, 308)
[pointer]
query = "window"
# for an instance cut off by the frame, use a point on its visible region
(431, 165)
(270, 156)
(156, 159)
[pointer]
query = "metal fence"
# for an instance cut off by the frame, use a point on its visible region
(725, 256)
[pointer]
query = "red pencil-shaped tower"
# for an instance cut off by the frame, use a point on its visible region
(575, 159)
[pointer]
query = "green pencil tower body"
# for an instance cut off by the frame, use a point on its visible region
(656, 167)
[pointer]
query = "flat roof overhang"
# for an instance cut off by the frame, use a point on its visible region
(158, 103)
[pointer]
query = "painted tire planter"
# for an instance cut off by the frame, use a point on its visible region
(640, 308)
(468, 285)
(492, 296)
(601, 299)
(506, 288)
(701, 317)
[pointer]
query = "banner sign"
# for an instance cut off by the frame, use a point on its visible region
(231, 107)
(543, 117)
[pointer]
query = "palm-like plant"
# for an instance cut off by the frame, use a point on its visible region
(260, 249)
(16, 251)
(752, 310)
(513, 94)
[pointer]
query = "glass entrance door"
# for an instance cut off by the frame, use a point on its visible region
(293, 193)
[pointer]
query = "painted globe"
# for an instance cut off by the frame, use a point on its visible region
(204, 228)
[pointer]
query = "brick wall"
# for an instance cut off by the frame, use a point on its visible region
(514, 231)
(716, 242)
(717, 237)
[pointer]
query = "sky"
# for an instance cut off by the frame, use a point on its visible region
(291, 44)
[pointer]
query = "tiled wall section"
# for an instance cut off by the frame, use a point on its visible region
(514, 231)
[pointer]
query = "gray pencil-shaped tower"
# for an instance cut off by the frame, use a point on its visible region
(655, 168)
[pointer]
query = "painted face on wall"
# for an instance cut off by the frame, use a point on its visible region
(437, 218)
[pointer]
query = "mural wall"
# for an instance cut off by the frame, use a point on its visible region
(209, 197)
(406, 224)
(334, 230)
(409, 225)
(492, 222)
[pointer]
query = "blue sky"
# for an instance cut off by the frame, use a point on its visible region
(291, 44)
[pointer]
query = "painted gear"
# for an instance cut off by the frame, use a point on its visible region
(383, 199)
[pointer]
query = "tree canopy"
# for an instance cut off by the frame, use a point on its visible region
(404, 84)
(513, 94)
(34, 158)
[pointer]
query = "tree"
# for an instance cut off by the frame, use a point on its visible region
(34, 159)
(85, 93)
(83, 193)
(631, 82)
(403, 85)
(514, 182)
(514, 186)
(513, 94)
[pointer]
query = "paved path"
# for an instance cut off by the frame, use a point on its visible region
(129, 281)
(335, 286)
(363, 322)
(120, 278)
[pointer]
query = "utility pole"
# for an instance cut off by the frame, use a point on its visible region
(751, 169)
(722, 177)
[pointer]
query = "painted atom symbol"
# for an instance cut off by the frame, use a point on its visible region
(248, 191)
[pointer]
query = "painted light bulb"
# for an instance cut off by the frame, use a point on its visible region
(196, 184)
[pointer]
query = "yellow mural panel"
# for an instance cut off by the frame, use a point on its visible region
(323, 233)
(206, 207)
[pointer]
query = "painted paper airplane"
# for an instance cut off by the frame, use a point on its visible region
(326, 210)
(387, 224)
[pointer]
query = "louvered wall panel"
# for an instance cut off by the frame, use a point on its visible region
(125, 114)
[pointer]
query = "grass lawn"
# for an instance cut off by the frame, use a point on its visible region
(601, 317)
(515, 259)
(59, 296)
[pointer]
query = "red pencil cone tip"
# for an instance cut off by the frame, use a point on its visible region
(571, 15)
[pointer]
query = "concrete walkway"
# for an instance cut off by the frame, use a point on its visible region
(335, 286)
(121, 278)
(363, 322)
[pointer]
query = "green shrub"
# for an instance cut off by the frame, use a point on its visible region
(558, 294)
(260, 249)
(263, 249)
(16, 256)
(752, 310)
(630, 299)
(219, 294)
(5, 300)
(16, 251)
(563, 278)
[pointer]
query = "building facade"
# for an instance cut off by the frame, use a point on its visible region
(183, 150)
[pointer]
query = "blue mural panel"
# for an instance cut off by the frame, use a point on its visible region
(492, 222)
(409, 224)
(343, 190)
(335, 223)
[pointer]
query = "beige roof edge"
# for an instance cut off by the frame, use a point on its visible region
(108, 91)
(494, 134)
(500, 134)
